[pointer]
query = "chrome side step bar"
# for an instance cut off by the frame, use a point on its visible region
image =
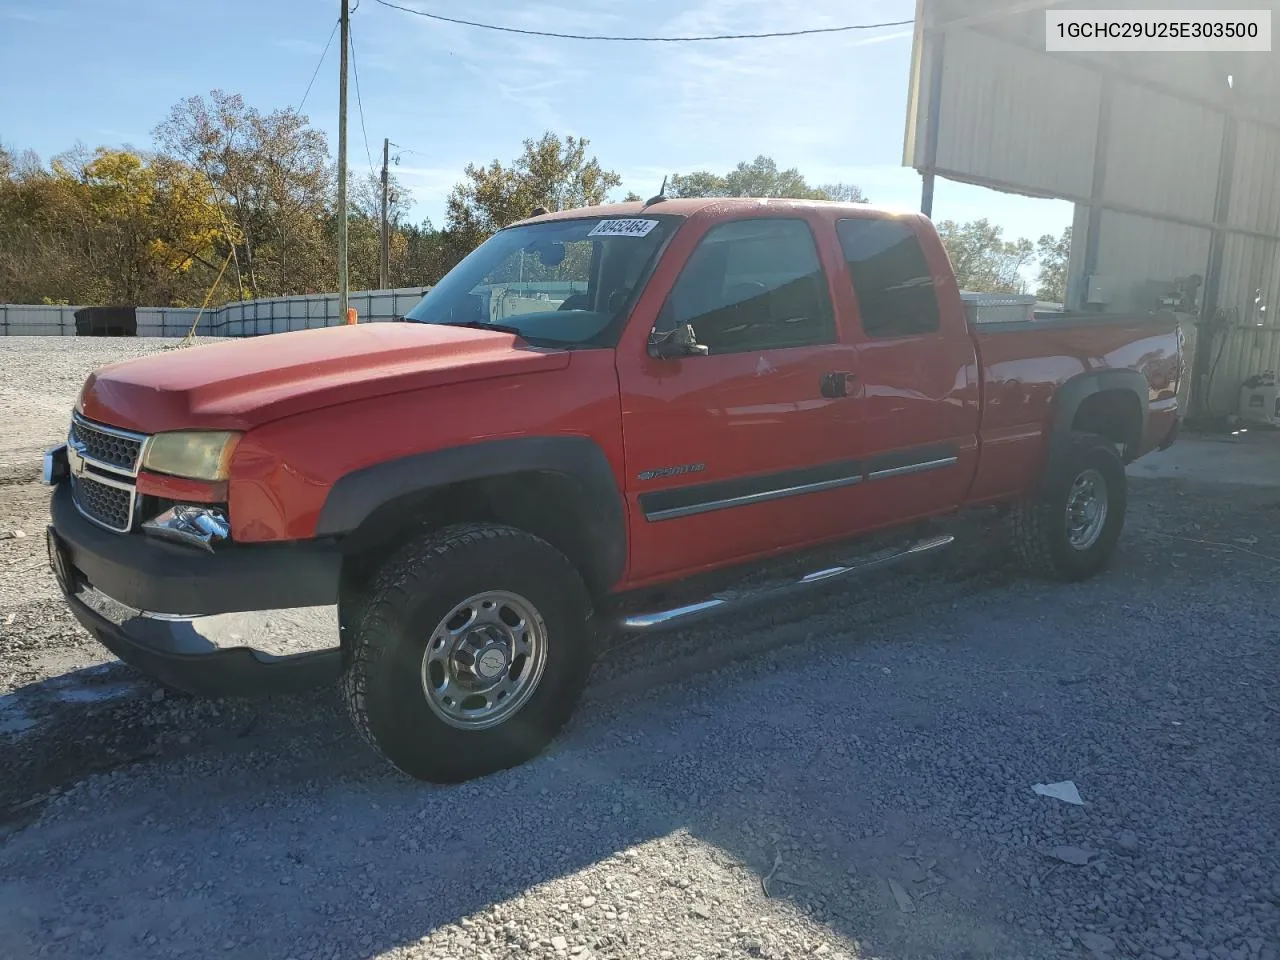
(680, 616)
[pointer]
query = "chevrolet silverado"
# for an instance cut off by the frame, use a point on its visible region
(617, 418)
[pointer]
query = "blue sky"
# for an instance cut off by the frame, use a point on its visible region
(107, 71)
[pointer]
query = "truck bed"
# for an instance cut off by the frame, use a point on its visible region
(1024, 365)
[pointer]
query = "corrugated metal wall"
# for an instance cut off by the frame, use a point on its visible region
(1250, 294)
(1133, 251)
(1162, 154)
(1016, 132)
(1010, 116)
(1255, 180)
(1250, 291)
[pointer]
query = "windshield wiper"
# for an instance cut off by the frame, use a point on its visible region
(481, 325)
(514, 331)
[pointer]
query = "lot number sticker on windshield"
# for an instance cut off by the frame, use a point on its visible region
(622, 228)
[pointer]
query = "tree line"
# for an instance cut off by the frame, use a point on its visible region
(233, 203)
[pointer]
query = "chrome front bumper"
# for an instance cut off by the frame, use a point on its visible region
(217, 656)
(267, 634)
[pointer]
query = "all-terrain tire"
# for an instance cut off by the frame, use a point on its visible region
(1040, 528)
(385, 682)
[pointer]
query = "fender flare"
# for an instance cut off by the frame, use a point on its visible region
(356, 495)
(1075, 391)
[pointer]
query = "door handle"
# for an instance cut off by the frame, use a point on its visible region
(836, 384)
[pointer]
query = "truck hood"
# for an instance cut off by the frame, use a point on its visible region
(241, 384)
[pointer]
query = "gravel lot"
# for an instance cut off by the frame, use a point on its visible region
(42, 378)
(870, 750)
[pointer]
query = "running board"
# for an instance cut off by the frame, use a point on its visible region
(718, 603)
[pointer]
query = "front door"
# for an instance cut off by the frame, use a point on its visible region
(741, 452)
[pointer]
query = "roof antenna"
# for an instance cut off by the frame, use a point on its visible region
(662, 195)
(539, 212)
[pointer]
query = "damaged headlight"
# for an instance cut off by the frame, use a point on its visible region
(194, 454)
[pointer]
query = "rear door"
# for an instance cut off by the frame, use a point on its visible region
(739, 453)
(918, 368)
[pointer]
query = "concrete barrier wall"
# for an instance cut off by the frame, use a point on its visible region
(282, 314)
(244, 319)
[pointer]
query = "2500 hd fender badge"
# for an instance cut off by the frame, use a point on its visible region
(671, 471)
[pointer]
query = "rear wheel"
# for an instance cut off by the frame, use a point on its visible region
(470, 652)
(1070, 529)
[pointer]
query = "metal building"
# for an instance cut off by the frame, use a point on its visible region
(1172, 161)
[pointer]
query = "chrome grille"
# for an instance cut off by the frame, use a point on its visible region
(104, 464)
(107, 445)
(105, 504)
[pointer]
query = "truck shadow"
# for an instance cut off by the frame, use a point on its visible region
(886, 733)
(684, 778)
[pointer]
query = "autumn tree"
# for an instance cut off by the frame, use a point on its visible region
(844, 192)
(1054, 253)
(553, 173)
(420, 255)
(759, 178)
(255, 191)
(113, 226)
(364, 228)
(151, 222)
(982, 259)
(38, 218)
(272, 175)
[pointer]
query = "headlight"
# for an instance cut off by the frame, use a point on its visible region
(202, 455)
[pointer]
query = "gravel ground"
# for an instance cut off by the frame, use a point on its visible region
(848, 775)
(42, 378)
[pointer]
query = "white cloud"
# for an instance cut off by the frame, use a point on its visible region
(531, 74)
(786, 91)
(649, 109)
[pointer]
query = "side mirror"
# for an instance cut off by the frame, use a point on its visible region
(680, 342)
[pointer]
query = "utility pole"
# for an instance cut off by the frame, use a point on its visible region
(344, 293)
(384, 251)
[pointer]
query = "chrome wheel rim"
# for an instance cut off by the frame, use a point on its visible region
(1086, 509)
(484, 660)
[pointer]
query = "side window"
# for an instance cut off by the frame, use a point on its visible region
(753, 285)
(890, 277)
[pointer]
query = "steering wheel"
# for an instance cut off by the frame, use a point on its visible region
(575, 301)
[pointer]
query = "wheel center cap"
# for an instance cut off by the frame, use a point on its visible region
(491, 664)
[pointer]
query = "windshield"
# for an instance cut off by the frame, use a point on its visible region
(560, 281)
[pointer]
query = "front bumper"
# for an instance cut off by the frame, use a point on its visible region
(145, 600)
(173, 652)
(150, 574)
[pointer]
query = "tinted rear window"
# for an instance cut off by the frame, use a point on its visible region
(891, 277)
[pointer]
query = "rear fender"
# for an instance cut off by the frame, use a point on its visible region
(1072, 394)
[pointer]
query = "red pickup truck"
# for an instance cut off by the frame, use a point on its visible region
(611, 418)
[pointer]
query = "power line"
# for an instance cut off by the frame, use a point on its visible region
(400, 150)
(355, 73)
(319, 65)
(586, 36)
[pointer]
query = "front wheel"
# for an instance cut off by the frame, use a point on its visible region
(471, 651)
(1070, 529)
